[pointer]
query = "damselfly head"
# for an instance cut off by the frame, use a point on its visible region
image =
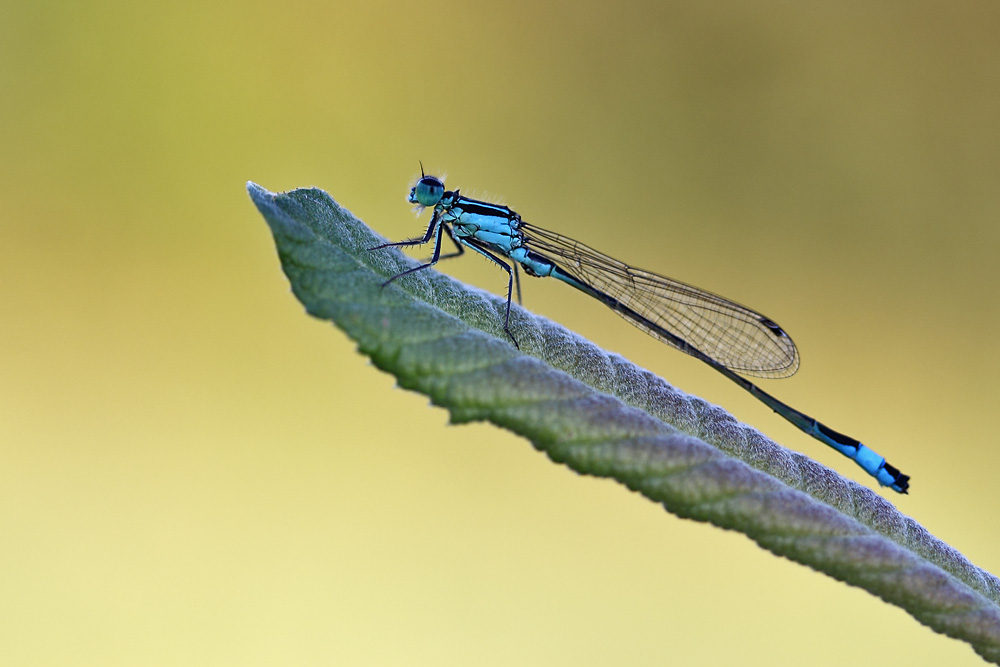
(427, 192)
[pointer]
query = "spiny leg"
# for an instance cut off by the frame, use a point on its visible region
(459, 248)
(431, 228)
(432, 262)
(517, 281)
(510, 282)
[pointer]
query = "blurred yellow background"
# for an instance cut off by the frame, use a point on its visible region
(194, 472)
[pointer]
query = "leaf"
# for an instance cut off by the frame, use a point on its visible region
(600, 415)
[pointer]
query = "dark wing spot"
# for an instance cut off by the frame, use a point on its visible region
(773, 326)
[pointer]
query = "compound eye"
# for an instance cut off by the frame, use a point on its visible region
(428, 191)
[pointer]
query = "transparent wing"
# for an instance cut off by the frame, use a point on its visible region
(740, 339)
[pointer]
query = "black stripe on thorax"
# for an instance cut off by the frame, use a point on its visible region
(476, 207)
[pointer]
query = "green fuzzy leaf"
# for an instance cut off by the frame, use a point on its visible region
(600, 415)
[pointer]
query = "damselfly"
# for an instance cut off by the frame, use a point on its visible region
(725, 335)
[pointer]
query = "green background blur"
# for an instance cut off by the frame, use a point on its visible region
(194, 472)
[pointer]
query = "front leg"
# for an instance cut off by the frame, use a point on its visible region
(431, 228)
(434, 259)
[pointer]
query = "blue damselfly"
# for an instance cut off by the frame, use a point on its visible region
(728, 337)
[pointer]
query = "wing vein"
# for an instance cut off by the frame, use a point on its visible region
(737, 337)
